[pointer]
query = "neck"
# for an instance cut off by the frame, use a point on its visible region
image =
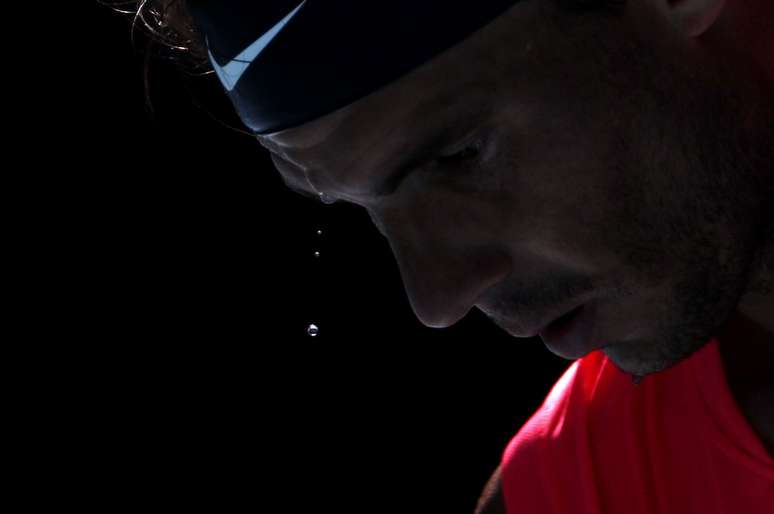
(747, 342)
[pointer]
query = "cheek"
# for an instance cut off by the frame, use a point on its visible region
(571, 201)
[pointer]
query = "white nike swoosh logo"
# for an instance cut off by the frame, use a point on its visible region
(231, 73)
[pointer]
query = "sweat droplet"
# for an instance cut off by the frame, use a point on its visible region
(312, 330)
(327, 199)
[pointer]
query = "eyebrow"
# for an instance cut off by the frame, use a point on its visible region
(418, 155)
(296, 186)
(268, 144)
(300, 190)
(424, 150)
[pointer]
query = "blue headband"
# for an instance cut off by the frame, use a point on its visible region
(287, 62)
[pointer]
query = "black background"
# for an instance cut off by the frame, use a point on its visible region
(183, 273)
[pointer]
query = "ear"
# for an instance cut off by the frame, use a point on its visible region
(692, 17)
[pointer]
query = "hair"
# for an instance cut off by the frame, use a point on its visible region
(169, 23)
(169, 27)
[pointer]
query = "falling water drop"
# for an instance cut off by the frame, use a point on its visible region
(312, 330)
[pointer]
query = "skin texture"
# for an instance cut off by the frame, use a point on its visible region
(625, 163)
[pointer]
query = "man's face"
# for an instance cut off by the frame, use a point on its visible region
(552, 162)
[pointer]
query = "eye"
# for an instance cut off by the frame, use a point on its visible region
(468, 153)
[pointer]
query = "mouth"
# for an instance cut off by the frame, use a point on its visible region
(569, 336)
(519, 331)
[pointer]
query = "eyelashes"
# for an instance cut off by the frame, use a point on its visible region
(468, 153)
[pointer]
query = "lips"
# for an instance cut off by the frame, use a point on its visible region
(501, 317)
(516, 329)
(558, 320)
(570, 335)
(563, 319)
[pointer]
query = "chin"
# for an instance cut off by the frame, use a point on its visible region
(641, 359)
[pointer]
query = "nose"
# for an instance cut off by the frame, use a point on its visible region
(444, 273)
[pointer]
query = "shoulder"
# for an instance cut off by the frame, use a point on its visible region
(491, 500)
(548, 436)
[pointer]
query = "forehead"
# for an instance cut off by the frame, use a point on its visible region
(351, 148)
(354, 148)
